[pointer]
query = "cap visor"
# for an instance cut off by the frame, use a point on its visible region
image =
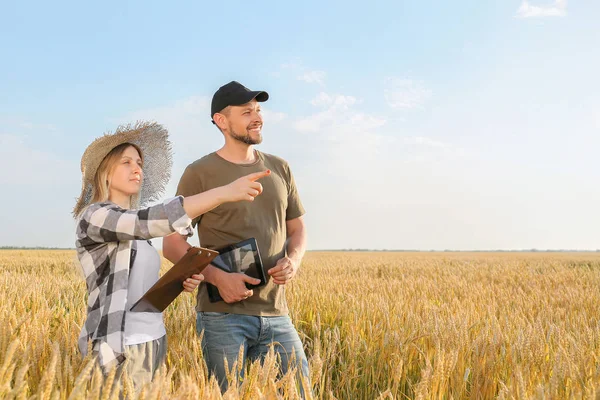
(259, 96)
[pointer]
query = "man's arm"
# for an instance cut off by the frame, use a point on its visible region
(286, 268)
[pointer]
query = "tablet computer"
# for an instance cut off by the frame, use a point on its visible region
(241, 257)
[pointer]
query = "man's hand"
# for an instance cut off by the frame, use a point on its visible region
(192, 283)
(232, 286)
(284, 271)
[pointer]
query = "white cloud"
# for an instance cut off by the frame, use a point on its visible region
(342, 133)
(357, 147)
(290, 65)
(22, 164)
(324, 100)
(313, 77)
(425, 150)
(341, 120)
(338, 116)
(367, 184)
(419, 140)
(403, 93)
(272, 117)
(302, 72)
(556, 9)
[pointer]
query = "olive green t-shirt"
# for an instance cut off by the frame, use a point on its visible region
(263, 219)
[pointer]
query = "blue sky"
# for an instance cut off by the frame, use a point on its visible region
(419, 125)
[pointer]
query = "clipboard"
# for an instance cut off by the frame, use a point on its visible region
(170, 285)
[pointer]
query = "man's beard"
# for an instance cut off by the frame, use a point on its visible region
(245, 138)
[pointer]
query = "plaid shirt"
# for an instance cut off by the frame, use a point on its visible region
(105, 237)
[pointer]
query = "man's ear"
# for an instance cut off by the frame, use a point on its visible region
(220, 120)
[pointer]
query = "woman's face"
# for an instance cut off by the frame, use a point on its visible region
(127, 175)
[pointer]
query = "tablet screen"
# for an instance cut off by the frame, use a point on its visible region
(242, 257)
(239, 259)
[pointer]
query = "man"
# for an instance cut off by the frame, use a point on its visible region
(250, 318)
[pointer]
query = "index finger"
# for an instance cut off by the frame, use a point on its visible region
(257, 175)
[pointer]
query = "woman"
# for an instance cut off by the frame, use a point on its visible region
(121, 172)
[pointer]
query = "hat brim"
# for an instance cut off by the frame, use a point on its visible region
(152, 139)
(259, 96)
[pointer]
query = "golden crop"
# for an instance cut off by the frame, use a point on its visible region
(375, 325)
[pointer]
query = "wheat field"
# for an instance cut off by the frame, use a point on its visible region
(375, 326)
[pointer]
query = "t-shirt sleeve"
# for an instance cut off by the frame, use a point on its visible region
(295, 208)
(189, 185)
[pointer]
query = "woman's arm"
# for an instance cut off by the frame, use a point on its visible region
(107, 222)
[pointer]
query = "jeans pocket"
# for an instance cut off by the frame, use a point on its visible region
(212, 316)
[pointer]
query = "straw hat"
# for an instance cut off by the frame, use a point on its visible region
(152, 139)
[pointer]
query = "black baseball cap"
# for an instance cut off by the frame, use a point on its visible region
(234, 94)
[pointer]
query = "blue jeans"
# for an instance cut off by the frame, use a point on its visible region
(224, 334)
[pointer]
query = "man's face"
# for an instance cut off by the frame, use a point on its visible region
(244, 123)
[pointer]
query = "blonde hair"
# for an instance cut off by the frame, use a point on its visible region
(101, 184)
